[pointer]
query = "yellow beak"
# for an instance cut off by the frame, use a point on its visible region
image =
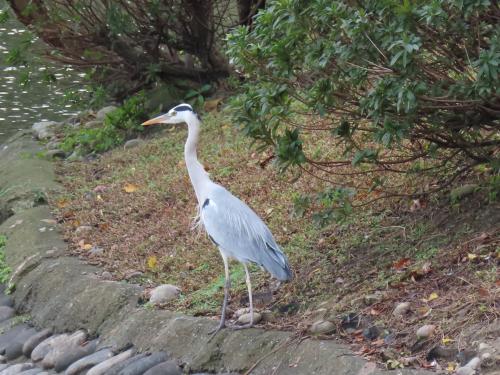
(157, 120)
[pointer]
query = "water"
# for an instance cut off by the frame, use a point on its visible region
(21, 106)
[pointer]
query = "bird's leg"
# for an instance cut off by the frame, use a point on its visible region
(227, 285)
(250, 299)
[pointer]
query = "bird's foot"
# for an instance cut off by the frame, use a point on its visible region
(215, 331)
(238, 327)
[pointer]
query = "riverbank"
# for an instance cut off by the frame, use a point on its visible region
(61, 292)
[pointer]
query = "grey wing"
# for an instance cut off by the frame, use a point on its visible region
(241, 234)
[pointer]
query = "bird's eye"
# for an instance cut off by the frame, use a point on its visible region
(173, 113)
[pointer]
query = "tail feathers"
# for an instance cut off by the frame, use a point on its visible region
(276, 263)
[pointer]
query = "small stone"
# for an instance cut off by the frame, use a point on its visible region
(487, 360)
(89, 361)
(10, 335)
(6, 312)
(484, 347)
(474, 363)
(45, 346)
(245, 318)
(104, 366)
(164, 293)
(164, 368)
(16, 369)
(426, 331)
(351, 321)
(101, 114)
(388, 354)
(83, 229)
(401, 309)
(55, 154)
(144, 364)
(132, 143)
(107, 275)
(75, 156)
(322, 327)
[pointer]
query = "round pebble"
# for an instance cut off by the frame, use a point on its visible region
(322, 327)
(426, 331)
(34, 340)
(164, 293)
(165, 368)
(104, 366)
(89, 361)
(401, 309)
(245, 318)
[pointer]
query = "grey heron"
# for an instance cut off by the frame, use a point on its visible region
(237, 231)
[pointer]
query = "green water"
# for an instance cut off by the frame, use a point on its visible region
(21, 106)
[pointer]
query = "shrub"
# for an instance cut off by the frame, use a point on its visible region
(404, 88)
(118, 126)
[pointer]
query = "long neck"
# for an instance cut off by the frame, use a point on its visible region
(199, 178)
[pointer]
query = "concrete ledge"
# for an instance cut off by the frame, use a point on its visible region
(61, 292)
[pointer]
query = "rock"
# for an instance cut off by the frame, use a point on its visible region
(53, 145)
(484, 347)
(132, 143)
(465, 356)
(474, 363)
(45, 346)
(487, 360)
(107, 275)
(6, 300)
(4, 366)
(9, 336)
(15, 348)
(371, 333)
(45, 129)
(62, 357)
(321, 327)
(144, 364)
(33, 371)
(59, 349)
(34, 340)
(462, 191)
(245, 318)
(89, 361)
(442, 352)
(104, 366)
(83, 229)
(101, 114)
(426, 331)
(55, 154)
(242, 311)
(351, 321)
(164, 293)
(93, 124)
(165, 368)
(16, 369)
(401, 309)
(116, 369)
(470, 367)
(268, 316)
(6, 312)
(75, 156)
(388, 354)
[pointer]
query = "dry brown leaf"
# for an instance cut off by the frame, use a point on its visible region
(401, 264)
(130, 188)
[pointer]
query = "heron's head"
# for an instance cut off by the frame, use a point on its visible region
(180, 113)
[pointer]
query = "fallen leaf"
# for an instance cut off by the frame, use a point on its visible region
(100, 189)
(424, 311)
(212, 105)
(152, 262)
(484, 292)
(471, 256)
(447, 340)
(452, 366)
(433, 296)
(401, 264)
(87, 246)
(49, 221)
(61, 203)
(103, 226)
(374, 311)
(130, 188)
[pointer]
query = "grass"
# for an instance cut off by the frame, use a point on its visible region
(141, 207)
(5, 270)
